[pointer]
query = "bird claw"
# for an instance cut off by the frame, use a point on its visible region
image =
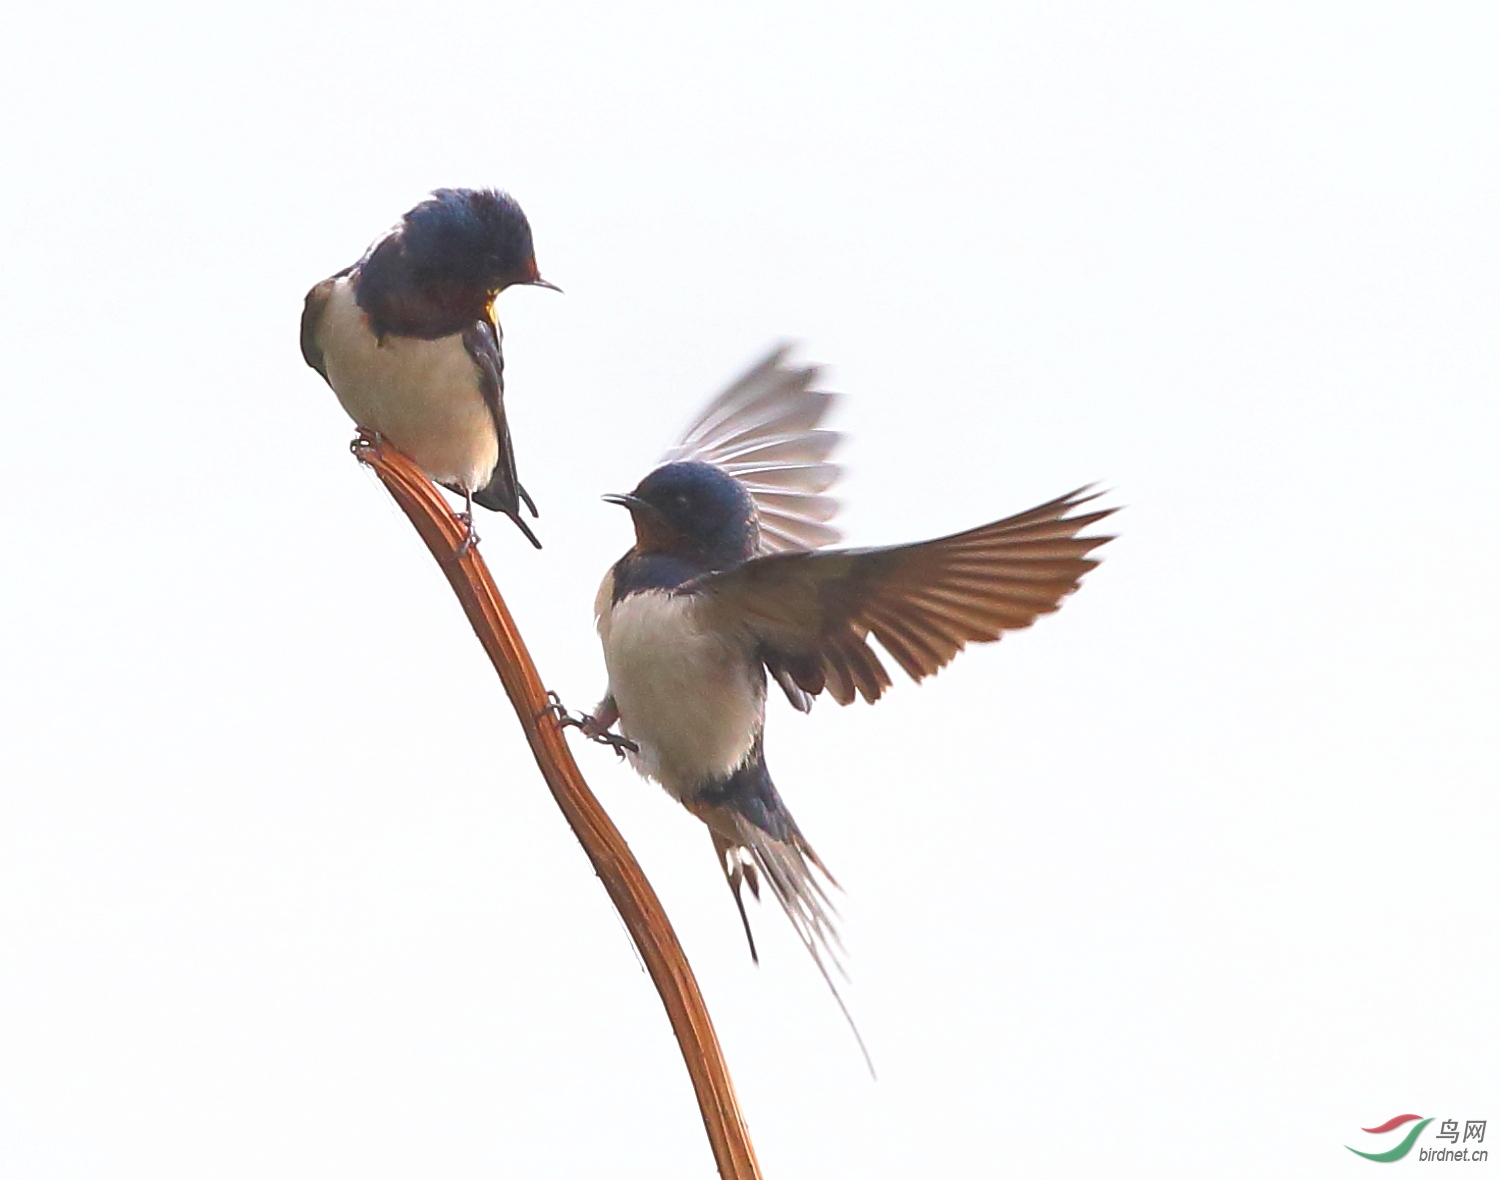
(619, 743)
(471, 536)
(556, 709)
(590, 727)
(368, 441)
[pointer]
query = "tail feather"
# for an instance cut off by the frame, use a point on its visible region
(755, 836)
(504, 492)
(736, 872)
(788, 868)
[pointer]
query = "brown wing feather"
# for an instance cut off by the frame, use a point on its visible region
(813, 613)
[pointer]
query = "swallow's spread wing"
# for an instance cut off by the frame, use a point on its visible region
(812, 613)
(504, 492)
(763, 431)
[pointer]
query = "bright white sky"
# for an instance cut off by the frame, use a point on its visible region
(1197, 877)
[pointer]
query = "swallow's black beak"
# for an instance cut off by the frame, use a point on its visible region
(527, 275)
(654, 533)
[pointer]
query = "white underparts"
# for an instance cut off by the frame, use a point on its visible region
(422, 395)
(690, 699)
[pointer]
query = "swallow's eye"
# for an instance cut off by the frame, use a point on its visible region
(680, 499)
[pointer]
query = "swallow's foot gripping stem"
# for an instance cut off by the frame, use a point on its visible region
(591, 727)
(466, 518)
(558, 711)
(368, 440)
(471, 538)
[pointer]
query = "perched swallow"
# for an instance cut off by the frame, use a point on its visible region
(725, 587)
(408, 340)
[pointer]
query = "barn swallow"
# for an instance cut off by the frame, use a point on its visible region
(408, 340)
(729, 585)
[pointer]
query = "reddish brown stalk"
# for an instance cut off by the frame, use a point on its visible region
(623, 879)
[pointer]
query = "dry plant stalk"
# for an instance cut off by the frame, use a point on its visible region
(612, 859)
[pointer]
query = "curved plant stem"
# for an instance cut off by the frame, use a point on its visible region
(617, 868)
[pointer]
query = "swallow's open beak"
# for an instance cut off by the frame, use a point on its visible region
(541, 282)
(624, 499)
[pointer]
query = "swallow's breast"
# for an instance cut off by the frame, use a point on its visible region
(422, 395)
(692, 700)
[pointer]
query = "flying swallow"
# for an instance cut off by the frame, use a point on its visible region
(408, 340)
(729, 586)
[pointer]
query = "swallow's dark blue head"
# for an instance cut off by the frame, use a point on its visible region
(693, 510)
(465, 235)
(439, 270)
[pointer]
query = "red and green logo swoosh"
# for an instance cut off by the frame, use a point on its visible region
(1400, 1150)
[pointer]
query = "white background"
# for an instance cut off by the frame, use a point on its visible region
(1195, 878)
